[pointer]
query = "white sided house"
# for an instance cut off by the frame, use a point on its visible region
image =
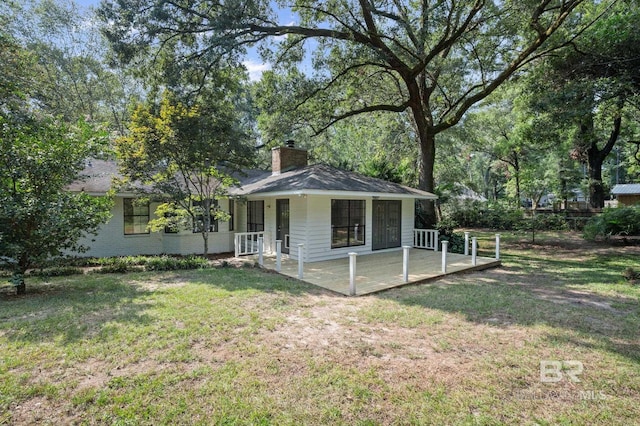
(331, 212)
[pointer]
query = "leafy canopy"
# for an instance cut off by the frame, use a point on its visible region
(183, 156)
(38, 217)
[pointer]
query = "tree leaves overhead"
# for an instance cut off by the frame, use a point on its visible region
(184, 156)
(435, 59)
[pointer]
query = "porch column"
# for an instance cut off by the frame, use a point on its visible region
(278, 255)
(466, 244)
(444, 256)
(352, 273)
(260, 249)
(405, 263)
(300, 261)
(474, 251)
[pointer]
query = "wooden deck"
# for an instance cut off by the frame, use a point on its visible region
(380, 271)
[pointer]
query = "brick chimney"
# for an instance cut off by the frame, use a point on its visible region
(287, 158)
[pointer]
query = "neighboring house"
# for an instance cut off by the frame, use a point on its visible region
(331, 211)
(627, 194)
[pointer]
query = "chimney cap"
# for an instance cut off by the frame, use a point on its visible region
(290, 143)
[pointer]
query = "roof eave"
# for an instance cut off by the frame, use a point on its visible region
(300, 193)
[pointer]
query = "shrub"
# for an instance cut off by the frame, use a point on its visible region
(630, 274)
(613, 221)
(476, 214)
(168, 263)
(56, 271)
(115, 269)
(445, 233)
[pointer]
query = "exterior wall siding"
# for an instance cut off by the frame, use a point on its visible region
(408, 219)
(111, 240)
(310, 224)
(318, 246)
(299, 225)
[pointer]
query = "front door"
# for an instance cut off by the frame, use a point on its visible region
(387, 223)
(282, 223)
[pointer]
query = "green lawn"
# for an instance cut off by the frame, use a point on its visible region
(242, 346)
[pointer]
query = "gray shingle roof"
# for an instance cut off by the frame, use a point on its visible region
(99, 176)
(321, 177)
(96, 178)
(626, 189)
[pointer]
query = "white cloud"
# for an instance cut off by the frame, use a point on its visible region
(256, 69)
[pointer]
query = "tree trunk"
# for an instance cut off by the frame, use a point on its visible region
(595, 159)
(18, 281)
(427, 139)
(205, 241)
(516, 168)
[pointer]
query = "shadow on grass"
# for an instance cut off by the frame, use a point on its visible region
(533, 290)
(242, 279)
(66, 310)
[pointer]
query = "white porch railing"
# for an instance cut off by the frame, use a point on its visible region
(425, 239)
(246, 243)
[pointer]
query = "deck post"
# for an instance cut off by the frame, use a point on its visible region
(260, 247)
(405, 263)
(466, 244)
(436, 239)
(236, 244)
(444, 256)
(278, 255)
(497, 246)
(300, 261)
(474, 251)
(352, 273)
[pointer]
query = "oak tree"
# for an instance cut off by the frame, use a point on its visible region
(434, 59)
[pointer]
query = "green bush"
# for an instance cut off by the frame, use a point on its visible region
(116, 268)
(445, 233)
(476, 214)
(613, 222)
(168, 263)
(56, 271)
(150, 263)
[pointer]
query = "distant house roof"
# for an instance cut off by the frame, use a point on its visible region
(321, 178)
(626, 189)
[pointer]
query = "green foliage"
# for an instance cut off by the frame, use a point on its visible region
(124, 264)
(39, 219)
(168, 263)
(183, 155)
(57, 271)
(476, 214)
(446, 233)
(397, 57)
(631, 274)
(69, 78)
(623, 221)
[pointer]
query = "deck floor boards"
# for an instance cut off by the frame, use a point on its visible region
(379, 271)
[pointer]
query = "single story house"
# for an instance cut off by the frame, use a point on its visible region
(330, 211)
(627, 194)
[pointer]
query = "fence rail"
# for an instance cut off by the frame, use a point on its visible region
(425, 239)
(246, 243)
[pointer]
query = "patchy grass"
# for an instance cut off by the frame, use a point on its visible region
(241, 346)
